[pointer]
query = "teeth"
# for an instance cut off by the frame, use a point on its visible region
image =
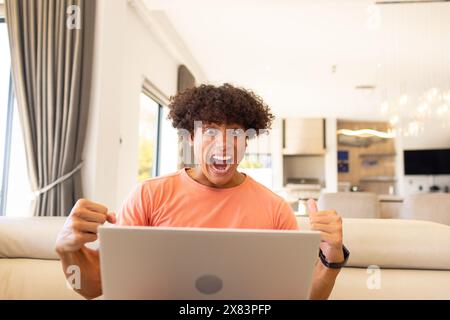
(220, 158)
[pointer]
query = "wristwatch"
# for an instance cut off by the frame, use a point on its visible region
(334, 265)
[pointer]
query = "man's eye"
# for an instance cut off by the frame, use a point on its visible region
(211, 132)
(236, 132)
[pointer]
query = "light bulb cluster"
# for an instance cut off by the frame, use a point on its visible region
(408, 114)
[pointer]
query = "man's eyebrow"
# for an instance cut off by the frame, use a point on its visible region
(206, 125)
(219, 125)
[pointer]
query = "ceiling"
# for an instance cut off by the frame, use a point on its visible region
(305, 58)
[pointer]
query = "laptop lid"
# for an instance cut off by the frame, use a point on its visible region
(203, 263)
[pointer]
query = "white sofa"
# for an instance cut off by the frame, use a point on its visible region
(29, 267)
(413, 257)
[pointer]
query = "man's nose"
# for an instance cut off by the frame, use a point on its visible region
(223, 142)
(221, 138)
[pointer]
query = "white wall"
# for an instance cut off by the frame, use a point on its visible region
(100, 172)
(127, 51)
(434, 136)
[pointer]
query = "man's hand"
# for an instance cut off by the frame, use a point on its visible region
(81, 226)
(329, 223)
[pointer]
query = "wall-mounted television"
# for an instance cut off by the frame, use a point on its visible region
(427, 162)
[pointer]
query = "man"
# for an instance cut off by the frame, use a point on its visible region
(213, 194)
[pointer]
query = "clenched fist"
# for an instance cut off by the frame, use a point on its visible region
(81, 226)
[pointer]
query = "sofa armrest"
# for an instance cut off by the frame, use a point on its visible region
(392, 243)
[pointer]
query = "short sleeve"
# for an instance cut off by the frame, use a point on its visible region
(286, 218)
(136, 207)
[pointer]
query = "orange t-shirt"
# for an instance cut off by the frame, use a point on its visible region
(176, 200)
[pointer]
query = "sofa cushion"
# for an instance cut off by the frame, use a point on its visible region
(391, 284)
(33, 279)
(29, 237)
(391, 243)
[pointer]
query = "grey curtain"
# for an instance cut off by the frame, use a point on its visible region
(51, 58)
(185, 79)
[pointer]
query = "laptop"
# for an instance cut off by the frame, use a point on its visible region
(159, 263)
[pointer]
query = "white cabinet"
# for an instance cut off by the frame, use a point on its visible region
(304, 136)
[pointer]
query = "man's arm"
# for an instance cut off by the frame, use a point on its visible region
(323, 282)
(329, 223)
(80, 228)
(89, 265)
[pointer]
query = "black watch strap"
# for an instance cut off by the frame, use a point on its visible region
(334, 265)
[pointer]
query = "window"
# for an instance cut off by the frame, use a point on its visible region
(149, 137)
(169, 153)
(158, 140)
(13, 192)
(5, 114)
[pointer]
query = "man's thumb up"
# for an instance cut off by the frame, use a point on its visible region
(312, 207)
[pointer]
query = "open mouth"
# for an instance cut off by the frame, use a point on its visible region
(220, 164)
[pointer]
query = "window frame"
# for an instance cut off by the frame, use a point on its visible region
(160, 99)
(7, 143)
(158, 140)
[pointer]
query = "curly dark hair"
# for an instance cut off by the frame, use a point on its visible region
(226, 104)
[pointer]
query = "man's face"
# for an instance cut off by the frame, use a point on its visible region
(218, 149)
